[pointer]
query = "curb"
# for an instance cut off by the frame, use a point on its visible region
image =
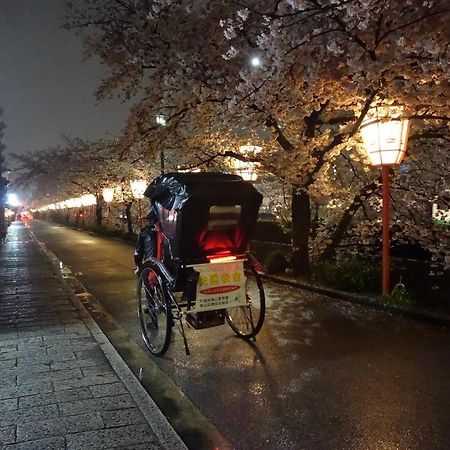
(437, 319)
(155, 418)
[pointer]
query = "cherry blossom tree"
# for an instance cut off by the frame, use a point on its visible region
(318, 66)
(80, 167)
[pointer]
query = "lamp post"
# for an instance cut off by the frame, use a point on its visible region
(162, 121)
(246, 169)
(108, 196)
(385, 134)
(137, 189)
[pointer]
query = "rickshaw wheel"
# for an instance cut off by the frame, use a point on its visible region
(154, 311)
(246, 321)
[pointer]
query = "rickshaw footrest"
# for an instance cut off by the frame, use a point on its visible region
(206, 319)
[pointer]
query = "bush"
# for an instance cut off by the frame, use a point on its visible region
(270, 231)
(349, 275)
(105, 231)
(398, 297)
(276, 262)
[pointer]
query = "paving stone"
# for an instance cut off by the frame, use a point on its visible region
(26, 389)
(7, 435)
(104, 390)
(26, 353)
(33, 368)
(47, 359)
(7, 380)
(25, 340)
(8, 346)
(112, 437)
(8, 363)
(93, 353)
(44, 345)
(100, 369)
(27, 414)
(54, 443)
(8, 404)
(79, 363)
(59, 427)
(67, 395)
(96, 404)
(48, 376)
(57, 388)
(68, 346)
(122, 417)
(70, 336)
(85, 381)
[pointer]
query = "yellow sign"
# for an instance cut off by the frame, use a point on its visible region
(220, 285)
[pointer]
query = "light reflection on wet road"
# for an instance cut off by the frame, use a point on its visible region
(322, 374)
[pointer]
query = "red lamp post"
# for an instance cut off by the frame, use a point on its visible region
(385, 134)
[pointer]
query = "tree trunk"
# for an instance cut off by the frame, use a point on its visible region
(98, 213)
(129, 218)
(301, 227)
(341, 227)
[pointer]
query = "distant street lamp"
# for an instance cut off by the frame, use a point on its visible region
(137, 189)
(255, 61)
(88, 200)
(385, 135)
(108, 195)
(247, 169)
(161, 120)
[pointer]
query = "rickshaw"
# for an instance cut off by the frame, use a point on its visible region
(202, 274)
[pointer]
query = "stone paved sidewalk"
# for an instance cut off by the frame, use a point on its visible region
(58, 390)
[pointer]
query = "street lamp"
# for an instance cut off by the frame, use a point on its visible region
(162, 121)
(247, 169)
(137, 189)
(108, 195)
(385, 134)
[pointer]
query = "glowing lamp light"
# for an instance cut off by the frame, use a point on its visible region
(385, 135)
(161, 120)
(138, 188)
(108, 194)
(255, 61)
(88, 200)
(247, 170)
(13, 200)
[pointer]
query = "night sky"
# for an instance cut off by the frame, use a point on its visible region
(46, 89)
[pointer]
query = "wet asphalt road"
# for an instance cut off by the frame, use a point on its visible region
(322, 374)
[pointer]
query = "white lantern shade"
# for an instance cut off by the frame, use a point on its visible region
(385, 135)
(88, 200)
(108, 194)
(138, 188)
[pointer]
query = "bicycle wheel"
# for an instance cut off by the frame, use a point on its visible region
(154, 312)
(247, 320)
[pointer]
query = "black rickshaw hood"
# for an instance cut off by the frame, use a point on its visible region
(173, 190)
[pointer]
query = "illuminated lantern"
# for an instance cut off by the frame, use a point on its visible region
(138, 188)
(108, 194)
(385, 134)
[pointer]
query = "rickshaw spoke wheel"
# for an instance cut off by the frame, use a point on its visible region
(247, 320)
(154, 312)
